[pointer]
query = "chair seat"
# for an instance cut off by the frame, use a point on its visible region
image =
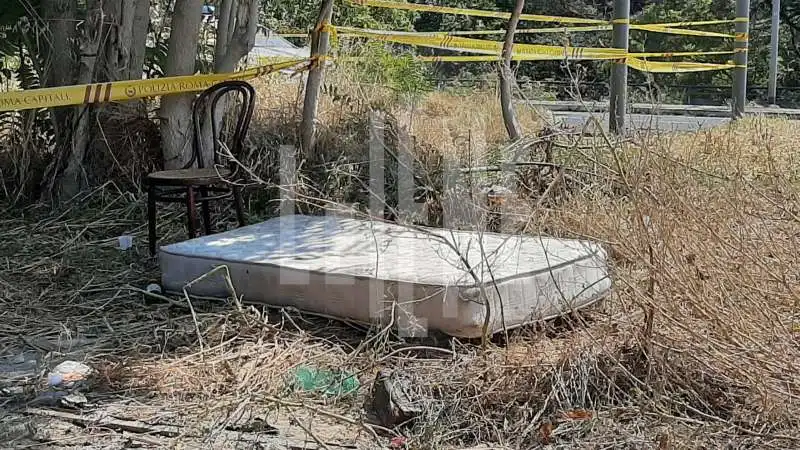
(187, 177)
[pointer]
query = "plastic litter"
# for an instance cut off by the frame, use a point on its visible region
(326, 381)
(125, 242)
(68, 374)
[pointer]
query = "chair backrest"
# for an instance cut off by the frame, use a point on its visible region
(205, 107)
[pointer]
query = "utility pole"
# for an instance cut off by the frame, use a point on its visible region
(740, 46)
(773, 53)
(619, 75)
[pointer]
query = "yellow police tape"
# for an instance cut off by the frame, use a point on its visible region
(130, 90)
(544, 52)
(670, 28)
(675, 67)
(490, 58)
(472, 12)
(653, 28)
(523, 51)
(663, 29)
(635, 63)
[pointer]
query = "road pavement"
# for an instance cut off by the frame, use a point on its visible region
(643, 121)
(667, 109)
(663, 117)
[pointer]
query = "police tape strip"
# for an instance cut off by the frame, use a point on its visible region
(497, 57)
(524, 51)
(523, 31)
(462, 44)
(472, 12)
(130, 90)
(676, 67)
(651, 28)
(672, 28)
(658, 28)
(674, 54)
(635, 63)
(696, 23)
(655, 28)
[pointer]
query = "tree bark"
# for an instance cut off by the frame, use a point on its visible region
(236, 33)
(58, 69)
(319, 47)
(176, 110)
(236, 37)
(506, 76)
(72, 179)
(118, 42)
(141, 22)
(60, 16)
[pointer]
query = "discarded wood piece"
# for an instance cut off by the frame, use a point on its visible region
(147, 433)
(392, 401)
(133, 426)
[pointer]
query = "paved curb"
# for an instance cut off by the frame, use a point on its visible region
(667, 109)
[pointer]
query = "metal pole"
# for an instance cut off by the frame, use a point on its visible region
(740, 58)
(619, 75)
(773, 54)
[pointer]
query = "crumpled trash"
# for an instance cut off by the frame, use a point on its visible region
(125, 242)
(326, 381)
(69, 374)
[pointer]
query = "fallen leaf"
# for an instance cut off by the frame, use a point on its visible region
(578, 414)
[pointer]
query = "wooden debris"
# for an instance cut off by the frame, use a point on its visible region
(162, 436)
(103, 421)
(392, 401)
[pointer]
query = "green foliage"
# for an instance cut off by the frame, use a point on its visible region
(400, 71)
(292, 15)
(677, 11)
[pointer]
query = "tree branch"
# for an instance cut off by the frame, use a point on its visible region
(506, 96)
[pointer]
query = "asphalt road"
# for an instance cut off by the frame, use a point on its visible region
(644, 121)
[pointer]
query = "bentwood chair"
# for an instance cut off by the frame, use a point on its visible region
(194, 183)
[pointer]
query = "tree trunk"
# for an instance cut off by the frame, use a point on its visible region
(319, 47)
(506, 76)
(176, 110)
(236, 33)
(118, 39)
(236, 37)
(60, 16)
(72, 179)
(141, 22)
(59, 69)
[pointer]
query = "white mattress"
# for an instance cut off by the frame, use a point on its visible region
(368, 271)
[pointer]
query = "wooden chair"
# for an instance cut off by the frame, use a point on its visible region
(195, 183)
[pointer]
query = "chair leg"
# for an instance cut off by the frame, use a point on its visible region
(206, 211)
(191, 212)
(151, 218)
(239, 205)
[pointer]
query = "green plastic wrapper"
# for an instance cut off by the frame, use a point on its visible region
(326, 381)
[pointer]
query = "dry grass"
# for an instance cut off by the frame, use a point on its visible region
(695, 349)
